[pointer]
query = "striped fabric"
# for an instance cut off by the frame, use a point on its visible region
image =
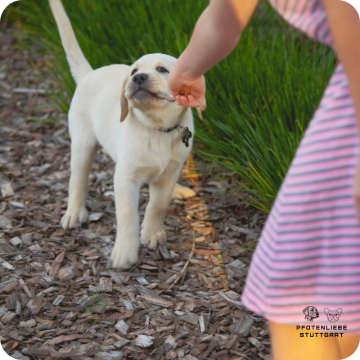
(306, 15)
(309, 251)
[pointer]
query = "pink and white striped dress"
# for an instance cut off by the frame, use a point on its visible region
(309, 251)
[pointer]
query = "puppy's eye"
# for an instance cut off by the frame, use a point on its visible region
(133, 72)
(162, 70)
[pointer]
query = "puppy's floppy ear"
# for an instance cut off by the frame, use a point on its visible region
(124, 104)
(306, 311)
(201, 108)
(339, 310)
(327, 311)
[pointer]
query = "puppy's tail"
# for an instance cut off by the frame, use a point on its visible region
(79, 66)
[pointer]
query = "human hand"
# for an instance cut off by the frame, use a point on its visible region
(356, 191)
(194, 89)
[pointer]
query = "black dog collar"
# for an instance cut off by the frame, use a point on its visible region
(169, 129)
(184, 132)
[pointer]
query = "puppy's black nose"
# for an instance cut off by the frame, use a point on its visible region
(140, 78)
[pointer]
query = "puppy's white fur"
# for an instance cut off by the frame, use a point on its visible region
(143, 155)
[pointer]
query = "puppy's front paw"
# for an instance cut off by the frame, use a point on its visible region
(124, 255)
(74, 218)
(152, 239)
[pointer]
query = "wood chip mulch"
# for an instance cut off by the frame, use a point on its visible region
(59, 299)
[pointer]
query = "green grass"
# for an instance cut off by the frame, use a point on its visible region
(260, 99)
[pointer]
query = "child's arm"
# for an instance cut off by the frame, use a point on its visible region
(216, 34)
(345, 28)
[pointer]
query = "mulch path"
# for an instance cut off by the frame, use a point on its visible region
(58, 296)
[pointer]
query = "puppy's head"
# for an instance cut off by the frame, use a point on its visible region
(311, 313)
(146, 86)
(333, 315)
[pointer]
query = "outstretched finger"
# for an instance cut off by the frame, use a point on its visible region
(178, 100)
(182, 100)
(194, 102)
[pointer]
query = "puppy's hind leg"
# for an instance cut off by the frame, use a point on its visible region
(83, 150)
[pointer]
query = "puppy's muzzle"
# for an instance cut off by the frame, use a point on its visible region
(140, 79)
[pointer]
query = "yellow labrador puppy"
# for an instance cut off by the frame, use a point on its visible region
(129, 111)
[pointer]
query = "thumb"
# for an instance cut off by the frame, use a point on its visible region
(175, 84)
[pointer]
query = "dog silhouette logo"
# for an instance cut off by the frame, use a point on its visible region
(311, 313)
(333, 315)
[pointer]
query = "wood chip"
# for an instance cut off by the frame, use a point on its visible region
(58, 300)
(6, 265)
(26, 239)
(25, 287)
(141, 280)
(89, 302)
(15, 241)
(95, 216)
(164, 251)
(35, 248)
(15, 334)
(153, 298)
(9, 316)
(5, 223)
(238, 304)
(18, 356)
(113, 355)
(243, 326)
(240, 229)
(122, 327)
(128, 304)
(105, 284)
(161, 329)
(11, 302)
(116, 277)
(18, 308)
(39, 352)
(17, 204)
(56, 264)
(122, 342)
(235, 268)
(256, 343)
(11, 287)
(28, 91)
(206, 338)
(6, 190)
(144, 341)
(190, 305)
(189, 357)
(171, 279)
(170, 343)
(191, 318)
(29, 323)
(201, 323)
(187, 263)
(63, 338)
